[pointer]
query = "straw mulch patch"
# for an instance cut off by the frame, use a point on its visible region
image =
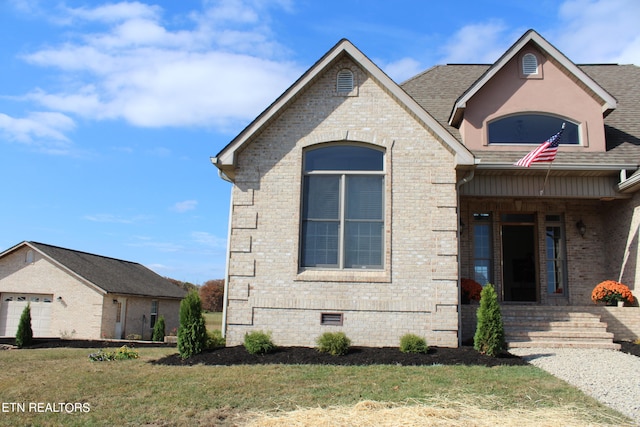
(441, 412)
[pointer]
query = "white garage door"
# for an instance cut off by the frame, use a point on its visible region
(11, 307)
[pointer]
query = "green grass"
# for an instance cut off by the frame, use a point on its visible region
(133, 392)
(213, 320)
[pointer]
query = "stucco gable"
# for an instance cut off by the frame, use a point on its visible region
(607, 102)
(226, 160)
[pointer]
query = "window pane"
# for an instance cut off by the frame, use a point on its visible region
(344, 157)
(364, 197)
(363, 244)
(481, 241)
(321, 197)
(482, 271)
(320, 243)
(531, 129)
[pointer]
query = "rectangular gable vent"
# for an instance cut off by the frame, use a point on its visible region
(331, 319)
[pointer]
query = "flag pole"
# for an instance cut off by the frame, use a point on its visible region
(544, 184)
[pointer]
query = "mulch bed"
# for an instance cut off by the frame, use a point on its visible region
(464, 355)
(227, 356)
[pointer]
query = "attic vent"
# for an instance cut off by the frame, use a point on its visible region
(529, 64)
(345, 81)
(331, 319)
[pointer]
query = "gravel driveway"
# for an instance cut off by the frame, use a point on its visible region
(591, 371)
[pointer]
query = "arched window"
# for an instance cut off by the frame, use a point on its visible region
(531, 129)
(529, 64)
(344, 81)
(343, 207)
(29, 257)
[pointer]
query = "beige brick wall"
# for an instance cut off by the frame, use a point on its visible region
(138, 307)
(77, 315)
(417, 289)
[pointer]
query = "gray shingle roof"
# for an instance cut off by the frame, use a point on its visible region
(438, 88)
(112, 275)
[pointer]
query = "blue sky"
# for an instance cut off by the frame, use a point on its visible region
(109, 112)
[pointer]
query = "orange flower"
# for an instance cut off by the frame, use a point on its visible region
(611, 291)
(471, 289)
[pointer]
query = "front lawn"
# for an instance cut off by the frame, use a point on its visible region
(135, 392)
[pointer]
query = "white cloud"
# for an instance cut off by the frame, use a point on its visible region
(207, 239)
(477, 43)
(185, 206)
(43, 131)
(403, 69)
(599, 31)
(215, 74)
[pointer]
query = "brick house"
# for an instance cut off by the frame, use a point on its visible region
(78, 295)
(358, 204)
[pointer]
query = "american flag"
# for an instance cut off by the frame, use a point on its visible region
(545, 152)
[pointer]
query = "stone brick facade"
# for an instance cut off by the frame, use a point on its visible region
(415, 292)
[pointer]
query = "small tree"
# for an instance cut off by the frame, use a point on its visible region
(489, 337)
(211, 294)
(192, 334)
(24, 335)
(158, 330)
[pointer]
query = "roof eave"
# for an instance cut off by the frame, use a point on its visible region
(600, 167)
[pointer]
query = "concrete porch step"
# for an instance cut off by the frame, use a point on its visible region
(554, 327)
(606, 344)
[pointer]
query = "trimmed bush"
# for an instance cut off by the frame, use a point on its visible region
(24, 335)
(192, 334)
(158, 330)
(489, 337)
(258, 342)
(215, 339)
(123, 353)
(334, 343)
(411, 343)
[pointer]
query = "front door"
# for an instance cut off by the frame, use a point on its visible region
(121, 310)
(519, 262)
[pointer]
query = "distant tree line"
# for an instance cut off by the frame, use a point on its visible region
(211, 292)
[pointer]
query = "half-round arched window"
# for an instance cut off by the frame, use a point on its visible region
(531, 129)
(343, 208)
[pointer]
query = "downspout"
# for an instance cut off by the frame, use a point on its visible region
(459, 184)
(225, 297)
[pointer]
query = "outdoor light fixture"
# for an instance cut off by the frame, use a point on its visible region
(115, 301)
(582, 229)
(59, 298)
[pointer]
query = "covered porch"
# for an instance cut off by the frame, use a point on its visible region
(545, 242)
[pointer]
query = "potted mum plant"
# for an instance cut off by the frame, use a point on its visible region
(611, 293)
(470, 290)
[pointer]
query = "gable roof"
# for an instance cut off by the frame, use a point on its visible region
(439, 87)
(607, 101)
(109, 275)
(225, 160)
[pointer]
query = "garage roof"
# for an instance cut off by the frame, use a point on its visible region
(109, 274)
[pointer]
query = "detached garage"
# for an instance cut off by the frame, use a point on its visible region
(78, 295)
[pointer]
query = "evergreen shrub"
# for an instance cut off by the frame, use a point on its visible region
(24, 335)
(334, 343)
(192, 333)
(411, 343)
(489, 336)
(258, 342)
